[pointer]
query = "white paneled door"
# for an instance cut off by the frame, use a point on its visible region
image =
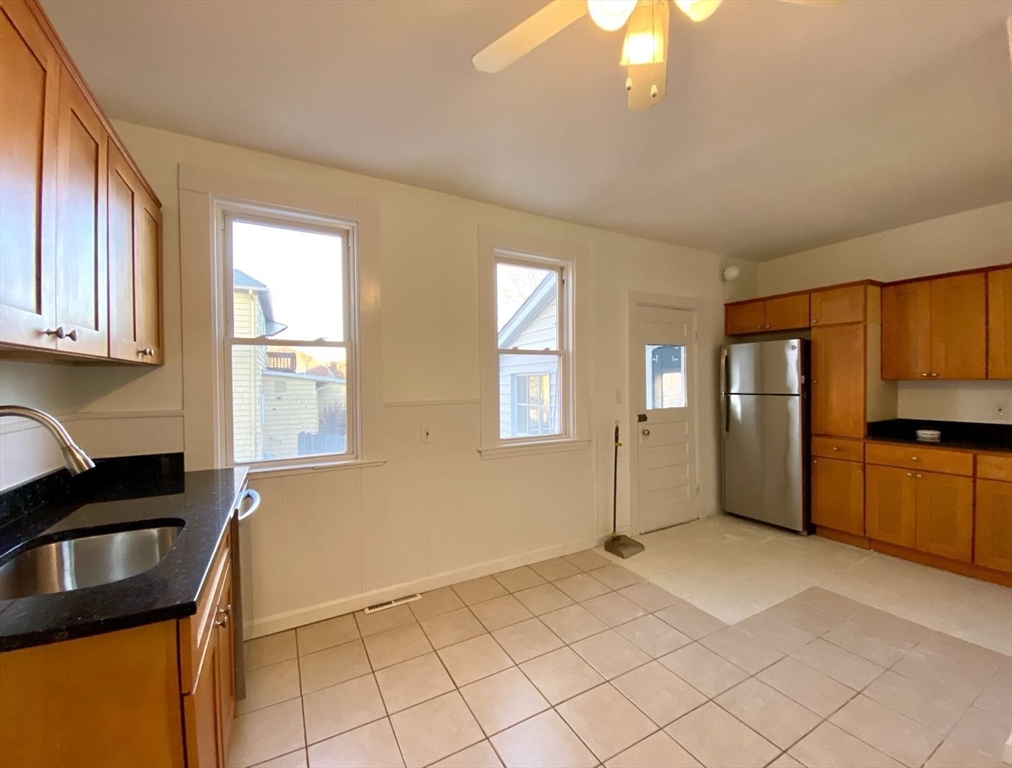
(666, 416)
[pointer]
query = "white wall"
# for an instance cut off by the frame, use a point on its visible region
(431, 512)
(977, 238)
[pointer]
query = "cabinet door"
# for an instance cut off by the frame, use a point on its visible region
(999, 324)
(134, 266)
(226, 665)
(906, 331)
(838, 495)
(890, 505)
(838, 373)
(202, 713)
(81, 246)
(745, 318)
(993, 534)
(945, 515)
(959, 327)
(29, 92)
(839, 305)
(787, 312)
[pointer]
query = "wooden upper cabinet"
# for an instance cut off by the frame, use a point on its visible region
(135, 224)
(999, 324)
(891, 505)
(906, 331)
(959, 327)
(945, 515)
(787, 312)
(993, 525)
(749, 317)
(838, 380)
(29, 102)
(838, 495)
(834, 306)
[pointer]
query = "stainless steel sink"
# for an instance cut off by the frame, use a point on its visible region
(85, 561)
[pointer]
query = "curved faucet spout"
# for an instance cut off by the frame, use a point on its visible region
(74, 457)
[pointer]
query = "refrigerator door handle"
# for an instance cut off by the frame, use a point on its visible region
(725, 386)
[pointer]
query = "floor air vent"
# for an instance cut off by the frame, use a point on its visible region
(391, 603)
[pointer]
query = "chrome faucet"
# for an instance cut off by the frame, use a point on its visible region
(76, 460)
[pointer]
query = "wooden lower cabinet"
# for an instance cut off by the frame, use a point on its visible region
(945, 515)
(891, 505)
(993, 530)
(838, 495)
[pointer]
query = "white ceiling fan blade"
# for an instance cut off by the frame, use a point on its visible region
(529, 34)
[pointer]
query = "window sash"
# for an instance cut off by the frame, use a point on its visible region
(560, 302)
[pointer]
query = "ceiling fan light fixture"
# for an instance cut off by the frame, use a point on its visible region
(698, 10)
(610, 15)
(646, 40)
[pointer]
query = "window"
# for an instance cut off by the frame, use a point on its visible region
(665, 377)
(290, 341)
(531, 341)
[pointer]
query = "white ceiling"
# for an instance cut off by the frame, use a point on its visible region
(785, 127)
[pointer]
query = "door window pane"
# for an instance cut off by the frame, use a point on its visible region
(288, 401)
(527, 307)
(665, 376)
(529, 396)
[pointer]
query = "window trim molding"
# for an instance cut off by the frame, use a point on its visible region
(201, 261)
(573, 258)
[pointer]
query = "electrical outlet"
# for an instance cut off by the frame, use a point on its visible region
(426, 433)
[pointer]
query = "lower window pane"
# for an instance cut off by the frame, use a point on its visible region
(665, 369)
(529, 396)
(288, 402)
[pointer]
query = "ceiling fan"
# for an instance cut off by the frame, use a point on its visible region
(644, 52)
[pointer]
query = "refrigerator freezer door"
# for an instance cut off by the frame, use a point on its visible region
(765, 367)
(763, 459)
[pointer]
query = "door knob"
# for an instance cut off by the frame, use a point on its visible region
(646, 433)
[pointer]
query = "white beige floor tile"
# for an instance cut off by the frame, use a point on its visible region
(588, 560)
(916, 700)
(716, 738)
(809, 687)
(690, 620)
(649, 596)
(983, 731)
(657, 751)
(704, 670)
(503, 700)
(653, 636)
(561, 674)
(955, 754)
(474, 659)
(296, 759)
(840, 664)
(451, 628)
(953, 680)
(270, 649)
(543, 599)
(616, 577)
(768, 712)
(518, 579)
(966, 654)
(333, 665)
(381, 621)
(326, 634)
(854, 639)
(996, 698)
(370, 746)
(544, 741)
(572, 623)
(435, 603)
(342, 707)
(500, 612)
(785, 761)
(606, 721)
(555, 569)
(888, 731)
(581, 587)
(610, 654)
(659, 693)
(526, 640)
(741, 649)
(830, 747)
(613, 609)
(267, 733)
(774, 632)
(412, 682)
(479, 590)
(270, 685)
(396, 645)
(481, 755)
(436, 729)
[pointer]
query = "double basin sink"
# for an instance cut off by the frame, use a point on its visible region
(80, 559)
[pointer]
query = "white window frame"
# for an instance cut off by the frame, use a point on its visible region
(495, 247)
(228, 212)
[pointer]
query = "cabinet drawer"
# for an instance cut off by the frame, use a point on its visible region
(199, 628)
(838, 448)
(917, 457)
(992, 467)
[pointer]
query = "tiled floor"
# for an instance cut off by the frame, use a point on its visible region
(579, 661)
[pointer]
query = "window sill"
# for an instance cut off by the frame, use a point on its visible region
(300, 469)
(531, 448)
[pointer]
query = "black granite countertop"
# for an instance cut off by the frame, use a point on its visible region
(963, 435)
(118, 497)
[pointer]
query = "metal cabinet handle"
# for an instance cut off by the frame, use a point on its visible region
(914, 458)
(646, 433)
(767, 325)
(910, 474)
(815, 320)
(934, 375)
(924, 374)
(146, 351)
(223, 613)
(835, 448)
(60, 333)
(919, 477)
(254, 497)
(815, 461)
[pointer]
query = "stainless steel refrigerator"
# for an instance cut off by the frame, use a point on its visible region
(764, 412)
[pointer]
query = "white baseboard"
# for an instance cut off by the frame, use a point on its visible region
(279, 622)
